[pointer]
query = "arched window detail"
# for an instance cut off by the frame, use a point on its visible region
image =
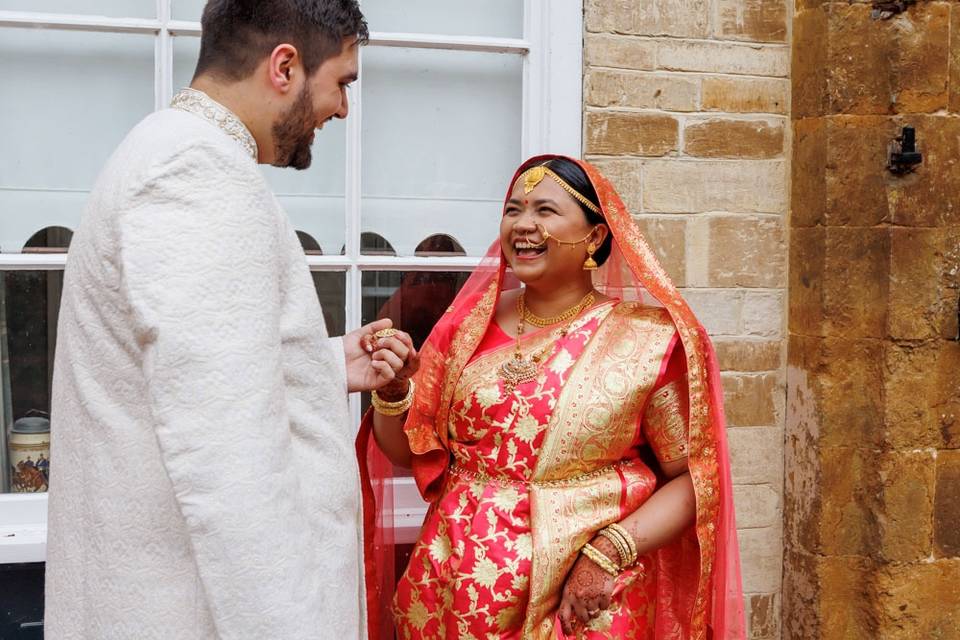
(373, 244)
(440, 244)
(310, 246)
(49, 240)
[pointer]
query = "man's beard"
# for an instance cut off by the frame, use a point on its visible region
(291, 145)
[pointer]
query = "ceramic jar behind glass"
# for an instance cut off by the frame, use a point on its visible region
(30, 454)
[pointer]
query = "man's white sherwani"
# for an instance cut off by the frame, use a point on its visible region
(204, 482)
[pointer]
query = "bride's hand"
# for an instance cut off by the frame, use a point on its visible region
(587, 591)
(371, 363)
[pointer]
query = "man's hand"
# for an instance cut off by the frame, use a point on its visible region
(587, 591)
(371, 362)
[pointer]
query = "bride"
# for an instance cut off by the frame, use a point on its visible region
(568, 436)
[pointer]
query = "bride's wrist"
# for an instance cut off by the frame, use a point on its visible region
(606, 547)
(395, 390)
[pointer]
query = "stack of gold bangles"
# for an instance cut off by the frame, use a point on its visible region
(624, 544)
(393, 408)
(381, 406)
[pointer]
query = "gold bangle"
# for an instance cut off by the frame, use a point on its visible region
(619, 545)
(397, 408)
(600, 559)
(627, 540)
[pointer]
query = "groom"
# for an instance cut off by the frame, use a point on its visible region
(204, 483)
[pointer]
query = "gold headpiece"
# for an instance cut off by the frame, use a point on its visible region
(534, 175)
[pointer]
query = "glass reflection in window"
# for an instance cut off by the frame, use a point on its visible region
(29, 308)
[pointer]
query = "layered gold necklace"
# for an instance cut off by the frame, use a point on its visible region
(518, 369)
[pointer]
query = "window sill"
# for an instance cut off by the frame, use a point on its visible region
(23, 528)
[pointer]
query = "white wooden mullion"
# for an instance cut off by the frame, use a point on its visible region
(184, 27)
(459, 43)
(32, 261)
(56, 261)
(352, 212)
(71, 22)
(163, 59)
(530, 118)
(192, 28)
(390, 263)
(352, 198)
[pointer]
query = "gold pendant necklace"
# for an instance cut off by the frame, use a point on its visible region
(518, 370)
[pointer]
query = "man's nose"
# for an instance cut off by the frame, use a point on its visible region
(344, 106)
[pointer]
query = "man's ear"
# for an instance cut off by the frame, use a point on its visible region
(282, 66)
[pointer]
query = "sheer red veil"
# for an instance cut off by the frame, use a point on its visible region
(705, 598)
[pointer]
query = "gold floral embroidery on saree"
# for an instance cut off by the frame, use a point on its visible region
(665, 422)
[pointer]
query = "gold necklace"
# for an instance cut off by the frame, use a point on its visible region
(538, 321)
(518, 370)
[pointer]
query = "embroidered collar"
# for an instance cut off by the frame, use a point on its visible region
(200, 104)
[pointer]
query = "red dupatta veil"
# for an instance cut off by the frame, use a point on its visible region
(711, 596)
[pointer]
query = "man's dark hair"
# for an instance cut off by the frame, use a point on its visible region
(238, 34)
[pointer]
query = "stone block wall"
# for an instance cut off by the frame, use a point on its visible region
(872, 499)
(686, 109)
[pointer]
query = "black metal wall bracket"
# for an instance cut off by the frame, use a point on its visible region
(904, 156)
(886, 9)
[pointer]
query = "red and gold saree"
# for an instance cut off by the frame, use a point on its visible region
(519, 480)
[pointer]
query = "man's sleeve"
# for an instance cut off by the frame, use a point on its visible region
(336, 347)
(200, 256)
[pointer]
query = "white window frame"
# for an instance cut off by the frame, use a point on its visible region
(551, 47)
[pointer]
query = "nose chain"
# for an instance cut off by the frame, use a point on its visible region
(548, 236)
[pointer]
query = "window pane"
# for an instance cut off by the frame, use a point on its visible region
(80, 95)
(187, 9)
(112, 8)
(502, 18)
(29, 308)
(414, 300)
(331, 290)
(312, 198)
(441, 136)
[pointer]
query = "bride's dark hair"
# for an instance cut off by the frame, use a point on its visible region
(574, 176)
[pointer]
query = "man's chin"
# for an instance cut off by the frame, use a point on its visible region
(299, 161)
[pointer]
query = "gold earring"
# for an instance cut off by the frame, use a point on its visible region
(590, 264)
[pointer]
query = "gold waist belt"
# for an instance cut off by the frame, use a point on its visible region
(456, 470)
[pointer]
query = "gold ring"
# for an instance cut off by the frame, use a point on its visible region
(385, 333)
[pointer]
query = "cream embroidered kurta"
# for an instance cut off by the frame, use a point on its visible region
(205, 484)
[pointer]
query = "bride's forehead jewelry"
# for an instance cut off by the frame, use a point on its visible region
(534, 175)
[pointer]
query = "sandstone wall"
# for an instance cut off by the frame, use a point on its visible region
(873, 426)
(686, 105)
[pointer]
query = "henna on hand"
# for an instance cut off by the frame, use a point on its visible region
(588, 589)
